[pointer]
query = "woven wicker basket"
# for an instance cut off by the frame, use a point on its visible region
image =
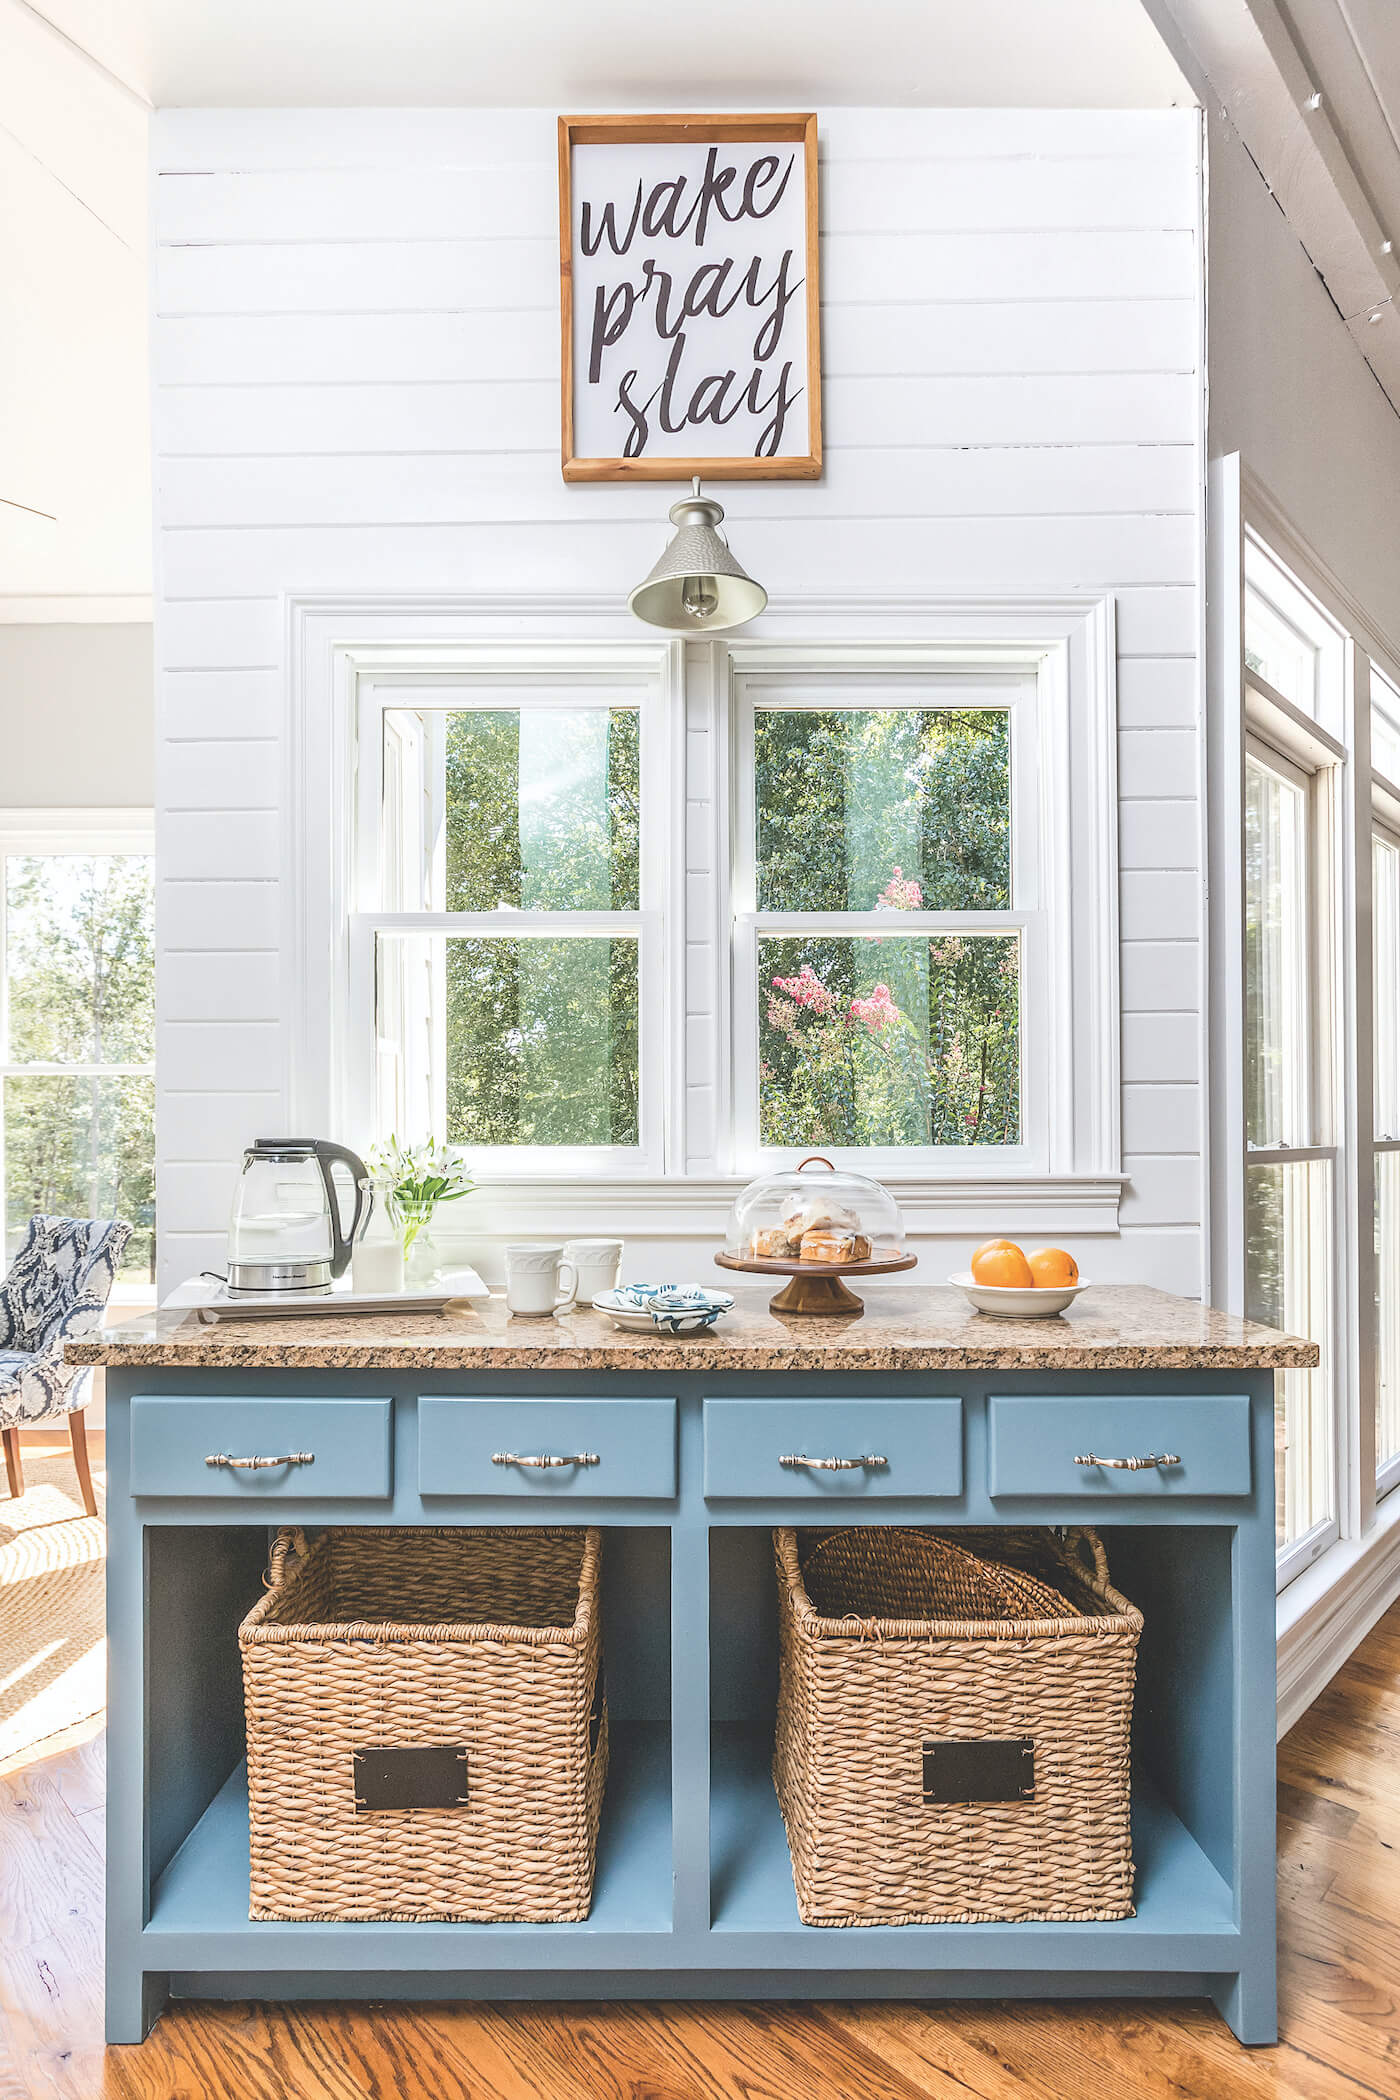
(898, 1643)
(486, 1641)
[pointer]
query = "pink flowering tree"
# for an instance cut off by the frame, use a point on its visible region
(910, 1059)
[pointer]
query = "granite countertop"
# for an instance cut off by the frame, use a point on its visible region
(1108, 1328)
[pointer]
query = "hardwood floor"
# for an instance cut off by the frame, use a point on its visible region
(1339, 1891)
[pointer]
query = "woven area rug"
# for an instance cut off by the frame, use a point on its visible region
(52, 1606)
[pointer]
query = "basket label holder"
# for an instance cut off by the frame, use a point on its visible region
(430, 1775)
(984, 1768)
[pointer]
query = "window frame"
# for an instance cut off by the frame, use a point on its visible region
(1067, 643)
(36, 832)
(910, 687)
(497, 680)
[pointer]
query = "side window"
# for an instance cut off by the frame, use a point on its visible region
(77, 1035)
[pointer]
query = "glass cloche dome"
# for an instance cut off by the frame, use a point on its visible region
(815, 1214)
(815, 1223)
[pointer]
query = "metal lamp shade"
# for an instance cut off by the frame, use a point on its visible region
(697, 583)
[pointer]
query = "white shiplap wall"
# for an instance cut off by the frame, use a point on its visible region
(356, 389)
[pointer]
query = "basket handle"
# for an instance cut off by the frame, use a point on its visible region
(290, 1542)
(1084, 1535)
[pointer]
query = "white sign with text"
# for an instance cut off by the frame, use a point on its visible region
(690, 301)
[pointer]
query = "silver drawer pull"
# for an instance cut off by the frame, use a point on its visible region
(1131, 1465)
(871, 1459)
(545, 1458)
(253, 1465)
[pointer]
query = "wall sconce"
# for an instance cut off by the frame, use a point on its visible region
(697, 583)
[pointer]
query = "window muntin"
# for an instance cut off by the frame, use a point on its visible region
(890, 938)
(511, 935)
(77, 1037)
(1289, 1178)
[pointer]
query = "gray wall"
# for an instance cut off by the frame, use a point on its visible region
(1290, 391)
(77, 725)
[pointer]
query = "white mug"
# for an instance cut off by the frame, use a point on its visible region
(597, 1264)
(539, 1281)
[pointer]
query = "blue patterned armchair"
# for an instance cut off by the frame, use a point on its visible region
(57, 1287)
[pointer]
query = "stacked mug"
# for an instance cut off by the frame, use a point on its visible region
(545, 1277)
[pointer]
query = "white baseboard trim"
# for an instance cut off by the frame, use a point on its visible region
(1326, 1613)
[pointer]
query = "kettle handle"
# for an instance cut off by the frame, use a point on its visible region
(342, 1242)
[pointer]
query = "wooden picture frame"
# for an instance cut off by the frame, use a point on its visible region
(720, 397)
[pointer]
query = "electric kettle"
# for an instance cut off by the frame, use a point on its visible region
(285, 1231)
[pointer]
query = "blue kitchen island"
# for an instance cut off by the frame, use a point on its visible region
(688, 1451)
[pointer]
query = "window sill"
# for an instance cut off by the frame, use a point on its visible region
(697, 1206)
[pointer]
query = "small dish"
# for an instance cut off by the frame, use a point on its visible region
(1037, 1303)
(669, 1308)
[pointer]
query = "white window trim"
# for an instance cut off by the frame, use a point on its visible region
(1067, 643)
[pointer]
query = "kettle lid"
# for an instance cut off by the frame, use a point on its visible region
(281, 1148)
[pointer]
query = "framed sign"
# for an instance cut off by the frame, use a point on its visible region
(688, 298)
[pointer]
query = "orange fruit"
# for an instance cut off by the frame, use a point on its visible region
(1001, 1263)
(1052, 1269)
(987, 1247)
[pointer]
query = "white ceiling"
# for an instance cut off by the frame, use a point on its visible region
(628, 53)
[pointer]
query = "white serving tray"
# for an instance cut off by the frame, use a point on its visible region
(209, 1297)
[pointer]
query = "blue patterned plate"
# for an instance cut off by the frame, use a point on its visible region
(670, 1308)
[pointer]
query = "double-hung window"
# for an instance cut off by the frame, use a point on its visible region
(1319, 1220)
(889, 953)
(624, 919)
(508, 930)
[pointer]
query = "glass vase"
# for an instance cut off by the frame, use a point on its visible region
(420, 1255)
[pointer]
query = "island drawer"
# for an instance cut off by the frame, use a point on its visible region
(1163, 1446)
(264, 1450)
(559, 1448)
(832, 1450)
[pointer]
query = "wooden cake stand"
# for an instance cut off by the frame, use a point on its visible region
(817, 1286)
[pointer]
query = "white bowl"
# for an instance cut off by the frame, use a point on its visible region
(1013, 1303)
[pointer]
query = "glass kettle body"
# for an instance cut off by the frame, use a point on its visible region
(285, 1228)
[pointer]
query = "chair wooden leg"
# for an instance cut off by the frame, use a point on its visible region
(77, 1434)
(13, 1465)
